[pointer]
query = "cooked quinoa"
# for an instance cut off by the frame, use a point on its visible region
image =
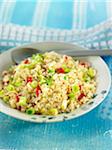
(48, 84)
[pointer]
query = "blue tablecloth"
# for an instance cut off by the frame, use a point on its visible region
(92, 131)
(64, 14)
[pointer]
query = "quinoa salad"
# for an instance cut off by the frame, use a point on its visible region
(48, 84)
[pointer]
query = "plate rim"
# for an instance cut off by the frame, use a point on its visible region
(72, 117)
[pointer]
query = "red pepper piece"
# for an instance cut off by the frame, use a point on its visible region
(29, 79)
(26, 61)
(17, 98)
(81, 96)
(38, 89)
(60, 70)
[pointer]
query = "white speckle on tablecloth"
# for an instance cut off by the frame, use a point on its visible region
(45, 129)
(108, 133)
(10, 132)
(74, 125)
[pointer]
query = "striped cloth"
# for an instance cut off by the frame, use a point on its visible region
(97, 37)
(67, 14)
(85, 22)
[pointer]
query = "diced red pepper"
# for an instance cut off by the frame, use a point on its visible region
(29, 79)
(26, 61)
(60, 70)
(81, 96)
(38, 89)
(17, 98)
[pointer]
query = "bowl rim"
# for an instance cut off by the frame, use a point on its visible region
(72, 117)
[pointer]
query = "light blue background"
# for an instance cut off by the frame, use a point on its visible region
(55, 13)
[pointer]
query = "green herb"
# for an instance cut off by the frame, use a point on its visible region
(65, 77)
(30, 111)
(51, 71)
(49, 81)
(94, 95)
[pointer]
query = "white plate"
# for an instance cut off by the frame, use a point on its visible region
(103, 84)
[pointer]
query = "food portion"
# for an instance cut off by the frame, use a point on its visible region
(48, 84)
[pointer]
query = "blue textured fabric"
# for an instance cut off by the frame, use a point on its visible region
(67, 14)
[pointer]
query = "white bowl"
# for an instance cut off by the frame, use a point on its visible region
(103, 84)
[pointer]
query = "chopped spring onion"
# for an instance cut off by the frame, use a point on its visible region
(53, 111)
(22, 101)
(49, 81)
(51, 71)
(30, 111)
(66, 69)
(42, 81)
(91, 72)
(30, 66)
(1, 93)
(65, 77)
(18, 84)
(10, 88)
(86, 78)
(34, 84)
(75, 88)
(38, 58)
(6, 98)
(71, 95)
